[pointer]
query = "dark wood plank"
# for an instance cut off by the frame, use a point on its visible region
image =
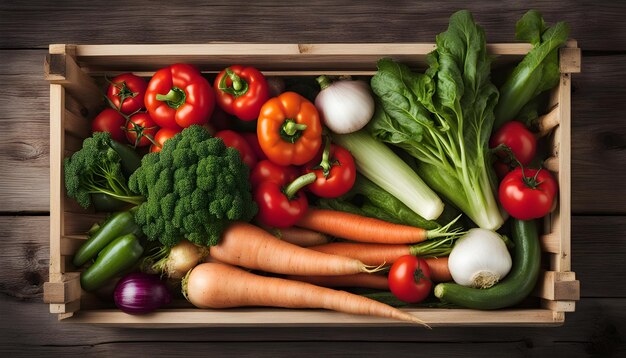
(24, 138)
(35, 24)
(599, 136)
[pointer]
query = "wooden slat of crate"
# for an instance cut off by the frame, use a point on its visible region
(267, 317)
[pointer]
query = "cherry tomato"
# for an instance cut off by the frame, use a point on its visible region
(127, 92)
(339, 175)
(266, 170)
(141, 129)
(235, 140)
(110, 120)
(522, 142)
(161, 136)
(409, 279)
(528, 194)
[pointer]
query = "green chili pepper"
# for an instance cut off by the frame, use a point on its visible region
(115, 258)
(118, 224)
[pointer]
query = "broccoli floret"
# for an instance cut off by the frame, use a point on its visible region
(97, 168)
(194, 187)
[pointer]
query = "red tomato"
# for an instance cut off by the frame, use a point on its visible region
(341, 173)
(161, 136)
(110, 121)
(266, 170)
(528, 194)
(127, 92)
(520, 140)
(235, 140)
(141, 129)
(409, 279)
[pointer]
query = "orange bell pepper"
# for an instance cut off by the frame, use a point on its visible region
(289, 129)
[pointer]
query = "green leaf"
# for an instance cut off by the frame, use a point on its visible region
(537, 72)
(530, 27)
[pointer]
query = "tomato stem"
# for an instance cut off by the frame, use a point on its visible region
(300, 182)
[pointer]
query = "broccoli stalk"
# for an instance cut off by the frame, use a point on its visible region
(97, 168)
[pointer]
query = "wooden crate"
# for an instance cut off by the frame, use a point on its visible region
(75, 98)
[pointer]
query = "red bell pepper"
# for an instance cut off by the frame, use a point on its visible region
(178, 96)
(266, 170)
(241, 91)
(282, 205)
(336, 172)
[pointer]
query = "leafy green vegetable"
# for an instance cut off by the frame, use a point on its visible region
(195, 186)
(97, 168)
(444, 118)
(537, 72)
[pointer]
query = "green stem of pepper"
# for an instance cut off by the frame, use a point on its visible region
(174, 98)
(292, 189)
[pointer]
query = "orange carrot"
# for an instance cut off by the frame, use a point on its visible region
(366, 280)
(216, 285)
(365, 229)
(439, 271)
(299, 236)
(246, 245)
(382, 254)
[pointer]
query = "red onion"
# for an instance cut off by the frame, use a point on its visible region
(140, 293)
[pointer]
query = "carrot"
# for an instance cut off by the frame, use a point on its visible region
(382, 254)
(246, 245)
(365, 229)
(366, 280)
(299, 236)
(439, 271)
(216, 285)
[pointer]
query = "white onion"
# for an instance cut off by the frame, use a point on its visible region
(479, 259)
(345, 105)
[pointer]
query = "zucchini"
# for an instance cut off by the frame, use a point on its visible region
(516, 286)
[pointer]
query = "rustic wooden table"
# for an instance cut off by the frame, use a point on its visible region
(598, 171)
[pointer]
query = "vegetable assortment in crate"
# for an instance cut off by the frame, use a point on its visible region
(75, 74)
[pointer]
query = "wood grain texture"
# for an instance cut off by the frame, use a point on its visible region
(597, 327)
(284, 21)
(599, 136)
(24, 138)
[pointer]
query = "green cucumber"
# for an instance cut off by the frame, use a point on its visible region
(515, 287)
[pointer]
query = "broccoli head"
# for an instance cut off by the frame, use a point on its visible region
(195, 186)
(97, 168)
